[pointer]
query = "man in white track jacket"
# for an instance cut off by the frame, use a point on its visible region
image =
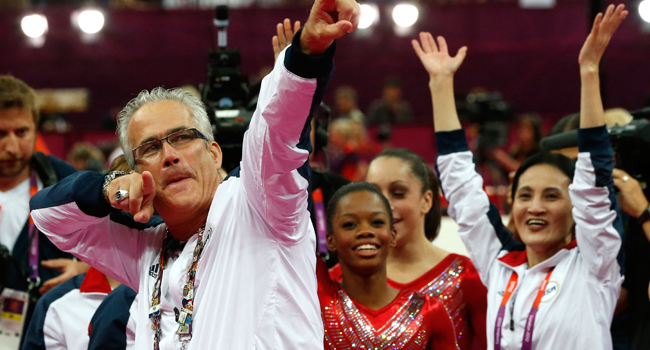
(238, 262)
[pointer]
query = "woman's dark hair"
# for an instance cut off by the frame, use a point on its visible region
(351, 188)
(429, 181)
(562, 163)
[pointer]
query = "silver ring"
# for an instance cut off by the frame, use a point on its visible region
(121, 195)
(625, 178)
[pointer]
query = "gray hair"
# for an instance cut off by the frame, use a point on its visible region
(196, 108)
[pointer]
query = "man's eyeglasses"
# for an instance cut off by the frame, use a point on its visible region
(177, 139)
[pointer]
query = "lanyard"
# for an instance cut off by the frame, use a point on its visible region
(321, 221)
(530, 321)
(33, 233)
(183, 316)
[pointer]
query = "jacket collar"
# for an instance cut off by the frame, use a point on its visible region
(95, 282)
(518, 257)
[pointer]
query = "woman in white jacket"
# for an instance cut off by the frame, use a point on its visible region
(557, 287)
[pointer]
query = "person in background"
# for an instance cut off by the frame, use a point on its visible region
(364, 311)
(61, 322)
(38, 264)
(567, 217)
(346, 104)
(528, 131)
(391, 108)
(350, 149)
(61, 316)
(414, 262)
(85, 156)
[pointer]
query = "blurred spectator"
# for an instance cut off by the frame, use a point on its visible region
(528, 134)
(119, 164)
(617, 116)
(391, 108)
(350, 149)
(346, 104)
(62, 316)
(85, 156)
(35, 264)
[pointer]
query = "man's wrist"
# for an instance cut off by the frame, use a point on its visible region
(309, 46)
(107, 180)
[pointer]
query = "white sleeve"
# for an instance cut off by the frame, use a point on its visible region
(595, 208)
(274, 166)
(76, 221)
(479, 221)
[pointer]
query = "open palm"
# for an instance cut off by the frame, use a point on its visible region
(435, 57)
(601, 32)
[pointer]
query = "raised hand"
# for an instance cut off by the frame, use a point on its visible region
(141, 193)
(284, 37)
(435, 57)
(591, 104)
(328, 21)
(601, 32)
(441, 68)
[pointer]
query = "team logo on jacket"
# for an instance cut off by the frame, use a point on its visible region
(153, 270)
(552, 290)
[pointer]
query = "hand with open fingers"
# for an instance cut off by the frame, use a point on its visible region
(284, 37)
(435, 57)
(134, 194)
(631, 197)
(601, 32)
(328, 21)
(68, 268)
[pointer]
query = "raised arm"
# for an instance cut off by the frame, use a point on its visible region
(441, 68)
(74, 215)
(480, 223)
(595, 207)
(591, 105)
(274, 168)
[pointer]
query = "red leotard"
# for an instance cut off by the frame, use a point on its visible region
(411, 321)
(456, 284)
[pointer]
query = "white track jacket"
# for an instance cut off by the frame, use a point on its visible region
(256, 283)
(578, 303)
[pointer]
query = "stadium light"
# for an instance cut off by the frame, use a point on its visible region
(34, 26)
(405, 15)
(644, 10)
(369, 15)
(90, 21)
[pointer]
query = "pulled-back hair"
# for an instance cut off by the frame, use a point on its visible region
(352, 187)
(196, 108)
(423, 173)
(15, 93)
(561, 162)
